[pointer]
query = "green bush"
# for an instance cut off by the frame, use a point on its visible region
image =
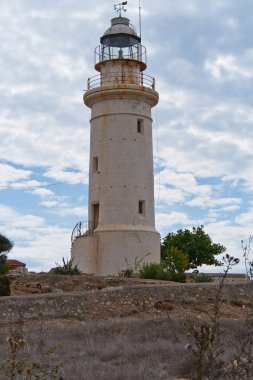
(128, 272)
(202, 278)
(4, 267)
(176, 263)
(154, 271)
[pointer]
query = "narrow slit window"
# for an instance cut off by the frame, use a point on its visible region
(95, 211)
(142, 208)
(140, 126)
(95, 164)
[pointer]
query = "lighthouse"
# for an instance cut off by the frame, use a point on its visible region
(120, 231)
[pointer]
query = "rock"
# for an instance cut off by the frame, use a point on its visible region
(164, 305)
(4, 286)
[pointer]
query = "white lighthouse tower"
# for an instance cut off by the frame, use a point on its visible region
(121, 227)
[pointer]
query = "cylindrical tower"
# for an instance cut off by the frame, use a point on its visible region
(121, 229)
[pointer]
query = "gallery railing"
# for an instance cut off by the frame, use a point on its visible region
(115, 78)
(82, 229)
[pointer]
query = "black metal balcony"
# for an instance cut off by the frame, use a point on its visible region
(82, 229)
(115, 78)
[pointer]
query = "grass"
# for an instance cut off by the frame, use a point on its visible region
(133, 348)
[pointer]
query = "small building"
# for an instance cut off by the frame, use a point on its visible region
(15, 264)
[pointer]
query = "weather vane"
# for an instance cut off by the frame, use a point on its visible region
(120, 7)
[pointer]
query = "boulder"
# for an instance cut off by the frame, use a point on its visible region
(4, 286)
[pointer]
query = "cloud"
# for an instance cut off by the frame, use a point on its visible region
(42, 192)
(201, 57)
(167, 222)
(39, 245)
(10, 174)
(231, 67)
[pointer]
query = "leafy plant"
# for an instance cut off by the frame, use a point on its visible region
(4, 268)
(132, 269)
(5, 246)
(196, 244)
(67, 268)
(154, 271)
(128, 272)
(176, 262)
(202, 278)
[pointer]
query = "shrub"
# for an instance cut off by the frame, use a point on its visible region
(202, 278)
(176, 262)
(154, 271)
(128, 272)
(4, 267)
(67, 268)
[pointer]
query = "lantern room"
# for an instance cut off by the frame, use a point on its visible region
(120, 41)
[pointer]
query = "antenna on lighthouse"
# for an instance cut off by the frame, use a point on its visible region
(120, 7)
(140, 16)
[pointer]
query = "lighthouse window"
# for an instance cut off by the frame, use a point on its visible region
(95, 164)
(142, 208)
(140, 126)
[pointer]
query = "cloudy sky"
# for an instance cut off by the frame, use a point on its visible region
(201, 55)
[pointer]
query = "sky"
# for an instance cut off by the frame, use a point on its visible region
(201, 55)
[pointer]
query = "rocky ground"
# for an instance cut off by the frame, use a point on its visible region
(32, 283)
(151, 344)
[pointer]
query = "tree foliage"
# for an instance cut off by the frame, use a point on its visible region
(176, 263)
(196, 244)
(5, 246)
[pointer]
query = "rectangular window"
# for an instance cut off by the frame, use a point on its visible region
(142, 208)
(140, 126)
(95, 165)
(95, 211)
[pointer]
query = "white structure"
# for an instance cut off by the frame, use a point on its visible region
(121, 228)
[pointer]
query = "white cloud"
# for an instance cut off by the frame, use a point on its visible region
(169, 221)
(202, 60)
(42, 192)
(39, 244)
(246, 219)
(10, 174)
(47, 247)
(230, 67)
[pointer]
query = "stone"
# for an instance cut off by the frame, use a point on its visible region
(4, 286)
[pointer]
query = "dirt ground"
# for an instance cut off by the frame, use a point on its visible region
(137, 347)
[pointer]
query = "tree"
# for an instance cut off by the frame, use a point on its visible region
(196, 244)
(5, 246)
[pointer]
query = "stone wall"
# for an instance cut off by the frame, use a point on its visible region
(53, 283)
(118, 301)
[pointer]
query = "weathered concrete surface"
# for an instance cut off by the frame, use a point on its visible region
(121, 180)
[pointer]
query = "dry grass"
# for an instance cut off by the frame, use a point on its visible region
(134, 348)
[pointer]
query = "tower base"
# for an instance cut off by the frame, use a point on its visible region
(100, 255)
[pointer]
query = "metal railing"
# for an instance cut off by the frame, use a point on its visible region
(136, 52)
(115, 78)
(82, 229)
